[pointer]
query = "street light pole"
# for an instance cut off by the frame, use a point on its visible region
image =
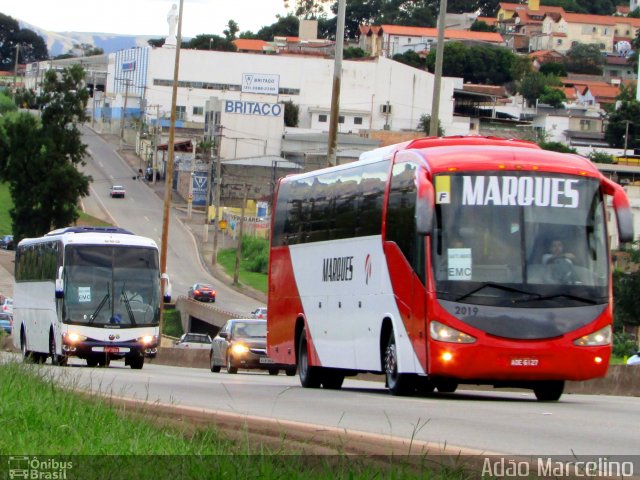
(169, 174)
(626, 137)
(335, 93)
(437, 80)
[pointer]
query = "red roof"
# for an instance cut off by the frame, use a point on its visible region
(599, 19)
(250, 44)
(448, 34)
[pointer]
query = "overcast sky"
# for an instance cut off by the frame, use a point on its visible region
(143, 17)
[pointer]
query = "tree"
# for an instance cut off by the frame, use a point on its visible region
(424, 125)
(32, 46)
(410, 58)
(557, 147)
(211, 42)
(231, 30)
(480, 26)
(533, 84)
(6, 104)
(553, 68)
(39, 156)
(634, 14)
(553, 97)
(291, 114)
(156, 42)
(285, 27)
(353, 52)
(582, 58)
(627, 113)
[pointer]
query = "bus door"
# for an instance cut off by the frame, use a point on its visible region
(405, 252)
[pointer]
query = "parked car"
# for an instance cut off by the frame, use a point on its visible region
(6, 242)
(259, 313)
(194, 340)
(242, 343)
(6, 305)
(117, 191)
(6, 322)
(203, 292)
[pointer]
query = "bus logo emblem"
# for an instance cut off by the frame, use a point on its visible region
(367, 268)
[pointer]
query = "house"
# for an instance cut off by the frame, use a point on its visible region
(389, 40)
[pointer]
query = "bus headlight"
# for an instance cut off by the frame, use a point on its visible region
(443, 333)
(148, 339)
(239, 349)
(595, 339)
(72, 337)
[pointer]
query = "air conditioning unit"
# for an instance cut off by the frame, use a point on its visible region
(386, 108)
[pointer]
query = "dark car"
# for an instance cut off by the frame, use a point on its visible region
(242, 343)
(202, 292)
(6, 321)
(6, 242)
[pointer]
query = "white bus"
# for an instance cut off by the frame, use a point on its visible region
(88, 292)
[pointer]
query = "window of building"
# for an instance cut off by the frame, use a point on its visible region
(585, 125)
(198, 110)
(559, 41)
(181, 112)
(322, 118)
(341, 119)
(357, 120)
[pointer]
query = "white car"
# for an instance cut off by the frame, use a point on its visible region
(194, 340)
(260, 313)
(117, 191)
(634, 359)
(6, 305)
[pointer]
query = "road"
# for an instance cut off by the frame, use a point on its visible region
(488, 421)
(141, 212)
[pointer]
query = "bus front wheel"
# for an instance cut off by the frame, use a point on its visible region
(309, 376)
(549, 391)
(56, 359)
(136, 362)
(397, 383)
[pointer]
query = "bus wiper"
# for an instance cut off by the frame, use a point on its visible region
(558, 295)
(497, 286)
(100, 305)
(127, 304)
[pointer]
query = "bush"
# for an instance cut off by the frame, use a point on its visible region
(601, 157)
(557, 147)
(172, 324)
(255, 252)
(623, 345)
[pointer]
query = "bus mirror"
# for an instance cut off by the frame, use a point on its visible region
(424, 207)
(167, 288)
(59, 284)
(59, 288)
(624, 216)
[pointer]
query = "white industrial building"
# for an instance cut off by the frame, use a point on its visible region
(376, 94)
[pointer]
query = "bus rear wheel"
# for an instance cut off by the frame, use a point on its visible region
(549, 391)
(397, 383)
(309, 376)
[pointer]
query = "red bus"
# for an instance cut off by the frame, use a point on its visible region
(430, 262)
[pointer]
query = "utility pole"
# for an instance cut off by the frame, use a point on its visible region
(335, 94)
(124, 111)
(437, 81)
(216, 220)
(169, 173)
(209, 146)
(626, 137)
(236, 270)
(15, 73)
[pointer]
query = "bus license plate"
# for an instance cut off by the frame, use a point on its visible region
(266, 360)
(112, 349)
(524, 362)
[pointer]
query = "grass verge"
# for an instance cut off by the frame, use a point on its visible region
(227, 259)
(98, 438)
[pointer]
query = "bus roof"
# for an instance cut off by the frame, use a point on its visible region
(93, 236)
(448, 154)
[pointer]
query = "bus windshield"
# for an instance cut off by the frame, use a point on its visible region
(524, 240)
(111, 286)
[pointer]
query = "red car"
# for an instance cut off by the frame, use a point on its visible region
(202, 292)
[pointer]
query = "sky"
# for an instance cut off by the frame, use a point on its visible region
(143, 17)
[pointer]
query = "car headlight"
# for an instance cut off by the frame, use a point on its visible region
(72, 337)
(147, 339)
(239, 349)
(443, 333)
(595, 339)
